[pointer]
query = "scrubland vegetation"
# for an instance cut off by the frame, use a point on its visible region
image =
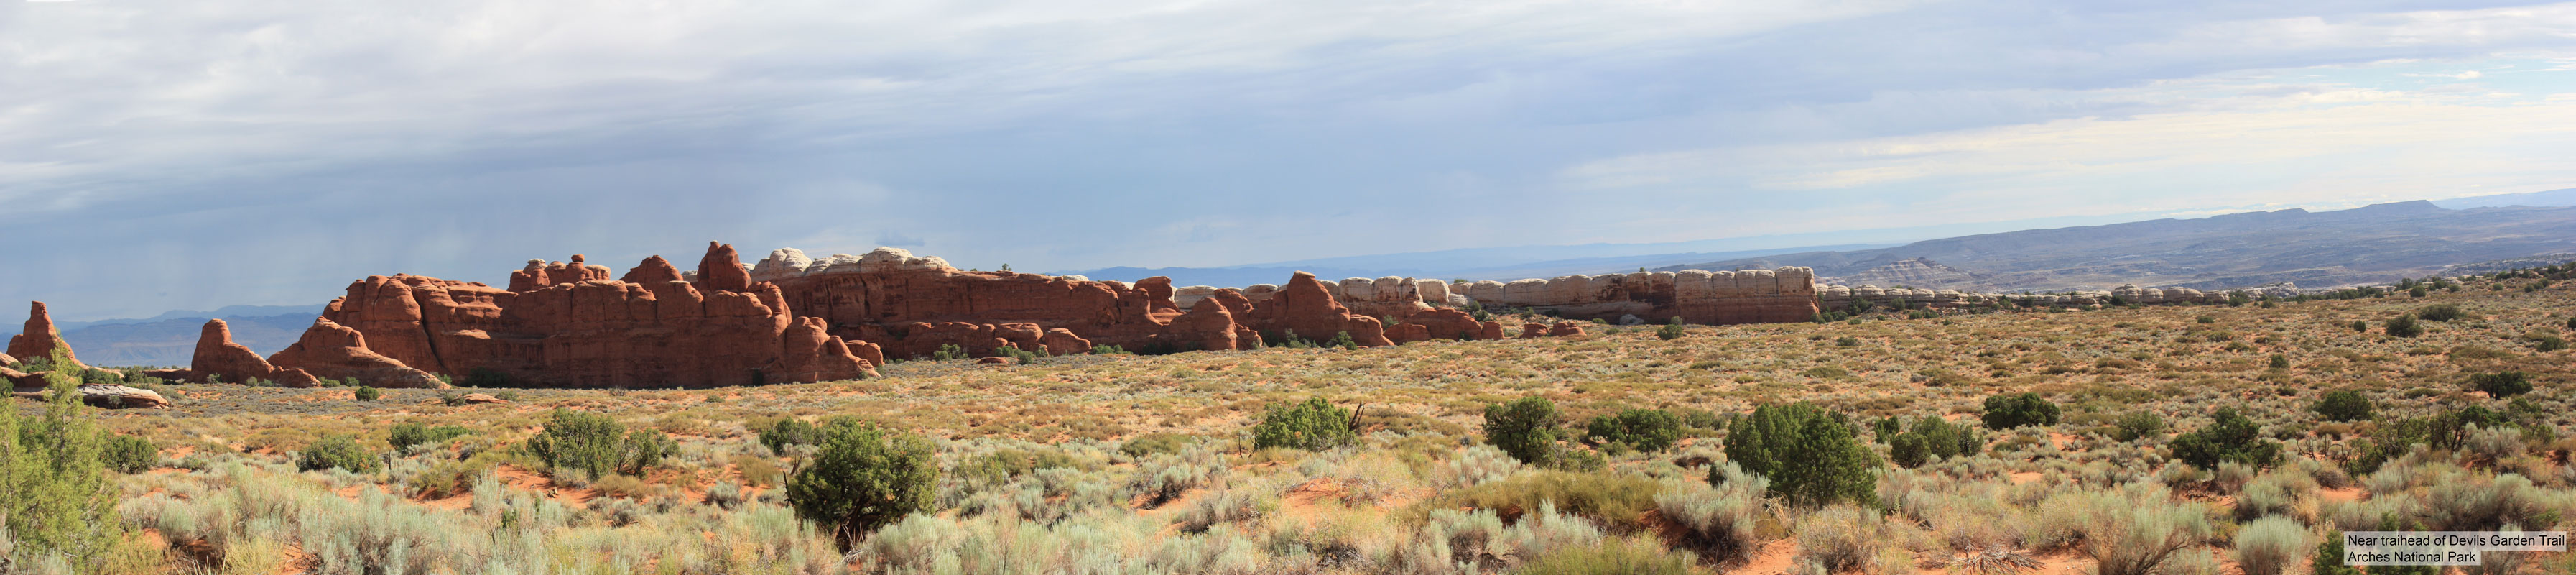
(2176, 440)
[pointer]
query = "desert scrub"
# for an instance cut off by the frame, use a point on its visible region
(786, 433)
(1467, 542)
(1931, 437)
(1718, 521)
(2270, 544)
(335, 451)
(581, 444)
(2229, 437)
(405, 435)
(1623, 556)
(2343, 405)
(2136, 425)
(1476, 465)
(2501, 384)
(1313, 425)
(1810, 455)
(863, 477)
(1839, 538)
(1524, 428)
(1610, 498)
(2287, 492)
(2018, 410)
(128, 454)
(2132, 530)
(1648, 430)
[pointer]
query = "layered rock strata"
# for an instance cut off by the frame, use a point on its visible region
(1836, 296)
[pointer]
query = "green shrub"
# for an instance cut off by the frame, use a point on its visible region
(863, 477)
(2270, 544)
(1524, 428)
(2404, 326)
(2502, 384)
(1933, 437)
(2329, 559)
(2229, 438)
(1152, 443)
(2441, 312)
(1810, 455)
(1312, 425)
(596, 445)
(2010, 411)
(2344, 405)
(364, 393)
(2548, 343)
(1342, 340)
(789, 431)
(1648, 430)
(337, 450)
(2137, 424)
(2444, 431)
(129, 454)
(2360, 326)
(646, 448)
(1671, 331)
(405, 435)
(54, 493)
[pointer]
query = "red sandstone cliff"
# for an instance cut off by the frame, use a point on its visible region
(789, 319)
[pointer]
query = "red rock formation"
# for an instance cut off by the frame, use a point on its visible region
(1405, 333)
(40, 340)
(868, 351)
(722, 270)
(540, 273)
(1566, 329)
(1533, 330)
(335, 351)
(1490, 330)
(808, 354)
(1306, 307)
(572, 326)
(913, 306)
(297, 378)
(790, 319)
(1444, 323)
(5, 359)
(218, 356)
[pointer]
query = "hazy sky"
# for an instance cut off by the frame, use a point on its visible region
(167, 155)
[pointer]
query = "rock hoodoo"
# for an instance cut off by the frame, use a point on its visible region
(218, 356)
(40, 340)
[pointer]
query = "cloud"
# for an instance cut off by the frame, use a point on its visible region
(270, 153)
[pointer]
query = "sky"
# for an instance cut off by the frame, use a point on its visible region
(189, 155)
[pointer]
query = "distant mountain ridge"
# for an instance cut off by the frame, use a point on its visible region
(2372, 244)
(1914, 273)
(171, 338)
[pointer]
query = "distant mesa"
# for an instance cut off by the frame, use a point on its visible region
(1914, 272)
